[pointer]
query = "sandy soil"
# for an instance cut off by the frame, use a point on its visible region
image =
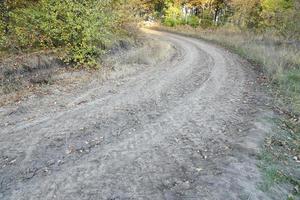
(182, 119)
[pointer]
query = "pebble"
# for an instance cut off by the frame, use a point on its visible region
(295, 158)
(198, 169)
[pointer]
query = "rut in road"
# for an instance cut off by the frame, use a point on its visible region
(184, 128)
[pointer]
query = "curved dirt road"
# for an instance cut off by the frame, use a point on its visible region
(185, 128)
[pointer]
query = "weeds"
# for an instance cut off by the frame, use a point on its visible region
(279, 159)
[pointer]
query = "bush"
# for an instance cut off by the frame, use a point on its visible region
(192, 21)
(82, 29)
(171, 22)
(173, 16)
(2, 35)
(189, 20)
(206, 23)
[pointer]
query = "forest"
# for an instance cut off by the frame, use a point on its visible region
(84, 29)
(279, 16)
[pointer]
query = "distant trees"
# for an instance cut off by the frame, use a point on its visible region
(85, 28)
(282, 16)
(246, 14)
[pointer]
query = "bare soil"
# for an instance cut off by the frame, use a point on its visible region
(177, 119)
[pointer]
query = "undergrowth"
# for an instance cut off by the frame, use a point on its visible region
(81, 31)
(279, 160)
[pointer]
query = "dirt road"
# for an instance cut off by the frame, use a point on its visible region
(186, 127)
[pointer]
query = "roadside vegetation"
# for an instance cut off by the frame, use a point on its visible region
(267, 33)
(78, 31)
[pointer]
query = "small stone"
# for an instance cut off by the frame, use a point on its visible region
(13, 161)
(199, 169)
(60, 162)
(68, 151)
(295, 158)
(51, 162)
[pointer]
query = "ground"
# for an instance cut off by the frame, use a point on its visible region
(182, 119)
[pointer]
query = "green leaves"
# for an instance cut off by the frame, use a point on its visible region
(277, 5)
(84, 29)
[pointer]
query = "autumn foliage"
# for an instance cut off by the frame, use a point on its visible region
(282, 17)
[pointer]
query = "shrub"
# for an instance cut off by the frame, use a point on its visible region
(173, 16)
(192, 21)
(171, 22)
(2, 35)
(83, 29)
(206, 23)
(206, 19)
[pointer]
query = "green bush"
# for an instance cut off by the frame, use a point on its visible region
(82, 29)
(171, 22)
(173, 16)
(193, 21)
(206, 19)
(206, 23)
(2, 35)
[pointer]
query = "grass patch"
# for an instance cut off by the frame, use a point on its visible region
(279, 159)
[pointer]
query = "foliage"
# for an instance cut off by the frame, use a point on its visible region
(83, 29)
(192, 21)
(246, 14)
(206, 20)
(2, 34)
(281, 17)
(173, 15)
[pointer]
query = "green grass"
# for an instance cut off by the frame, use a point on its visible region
(276, 159)
(289, 87)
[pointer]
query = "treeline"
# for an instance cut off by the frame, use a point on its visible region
(83, 29)
(280, 16)
(80, 29)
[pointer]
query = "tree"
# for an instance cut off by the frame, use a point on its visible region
(282, 16)
(247, 14)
